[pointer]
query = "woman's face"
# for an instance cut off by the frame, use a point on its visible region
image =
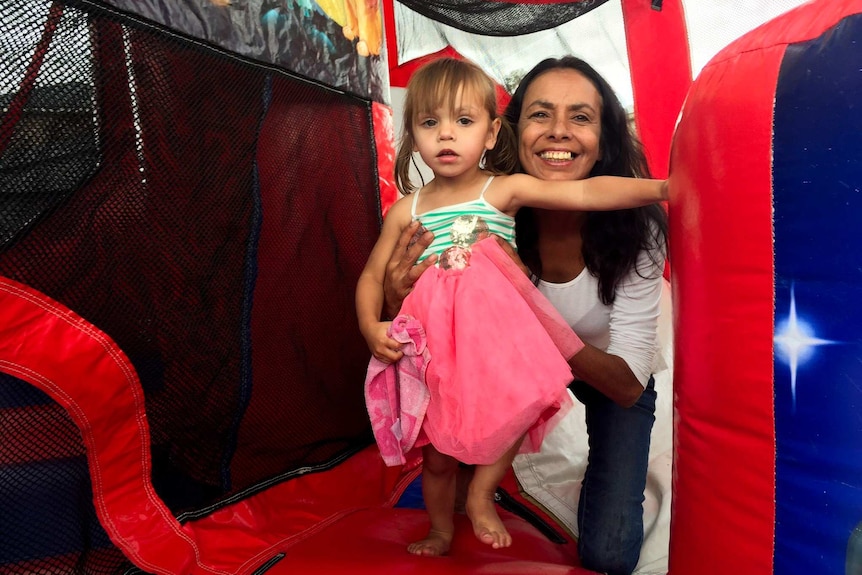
(560, 126)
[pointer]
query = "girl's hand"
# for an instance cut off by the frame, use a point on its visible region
(383, 347)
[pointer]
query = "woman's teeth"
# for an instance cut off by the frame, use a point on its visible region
(556, 155)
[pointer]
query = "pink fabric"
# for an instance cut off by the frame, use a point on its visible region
(395, 393)
(500, 357)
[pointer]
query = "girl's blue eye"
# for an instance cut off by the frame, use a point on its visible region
(465, 121)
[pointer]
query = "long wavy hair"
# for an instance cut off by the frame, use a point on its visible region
(611, 240)
(437, 84)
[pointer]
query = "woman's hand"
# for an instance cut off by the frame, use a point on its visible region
(402, 270)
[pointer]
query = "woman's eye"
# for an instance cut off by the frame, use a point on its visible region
(539, 115)
(581, 118)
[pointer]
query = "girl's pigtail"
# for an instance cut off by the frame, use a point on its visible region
(503, 158)
(402, 167)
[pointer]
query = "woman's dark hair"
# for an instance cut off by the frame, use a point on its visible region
(611, 240)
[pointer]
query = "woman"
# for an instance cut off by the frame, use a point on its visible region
(603, 272)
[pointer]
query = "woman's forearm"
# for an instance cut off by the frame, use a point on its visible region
(609, 374)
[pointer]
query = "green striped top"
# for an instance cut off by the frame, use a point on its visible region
(470, 218)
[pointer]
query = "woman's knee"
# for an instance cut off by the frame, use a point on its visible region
(613, 557)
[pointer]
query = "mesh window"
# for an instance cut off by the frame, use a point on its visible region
(211, 215)
(48, 139)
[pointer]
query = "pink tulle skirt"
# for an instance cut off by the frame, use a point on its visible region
(499, 352)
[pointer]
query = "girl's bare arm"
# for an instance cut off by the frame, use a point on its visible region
(369, 287)
(599, 193)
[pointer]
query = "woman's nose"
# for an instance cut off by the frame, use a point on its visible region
(560, 129)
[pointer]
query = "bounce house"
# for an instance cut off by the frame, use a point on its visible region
(189, 190)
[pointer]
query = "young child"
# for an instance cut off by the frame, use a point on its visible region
(497, 370)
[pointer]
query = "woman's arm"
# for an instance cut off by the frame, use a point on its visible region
(609, 374)
(624, 369)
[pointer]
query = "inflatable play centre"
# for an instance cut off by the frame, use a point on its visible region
(189, 190)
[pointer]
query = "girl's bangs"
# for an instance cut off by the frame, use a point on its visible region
(450, 90)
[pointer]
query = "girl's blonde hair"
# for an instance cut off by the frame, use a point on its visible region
(439, 82)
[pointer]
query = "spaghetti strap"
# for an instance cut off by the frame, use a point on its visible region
(487, 183)
(413, 205)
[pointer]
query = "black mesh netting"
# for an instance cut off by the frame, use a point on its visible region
(209, 214)
(500, 18)
(48, 524)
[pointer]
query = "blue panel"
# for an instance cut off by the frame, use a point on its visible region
(15, 392)
(47, 511)
(818, 302)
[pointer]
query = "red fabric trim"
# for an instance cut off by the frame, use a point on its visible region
(384, 140)
(253, 530)
(721, 222)
(391, 40)
(46, 344)
(660, 64)
(400, 75)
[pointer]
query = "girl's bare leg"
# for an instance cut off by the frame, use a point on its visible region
(481, 508)
(438, 489)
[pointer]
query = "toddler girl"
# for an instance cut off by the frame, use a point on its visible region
(491, 350)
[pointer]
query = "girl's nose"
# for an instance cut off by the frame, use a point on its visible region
(445, 131)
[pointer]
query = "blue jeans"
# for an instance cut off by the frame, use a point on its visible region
(610, 512)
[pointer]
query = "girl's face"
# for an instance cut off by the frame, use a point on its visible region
(452, 141)
(560, 126)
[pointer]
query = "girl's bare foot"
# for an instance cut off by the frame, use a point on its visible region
(487, 525)
(435, 544)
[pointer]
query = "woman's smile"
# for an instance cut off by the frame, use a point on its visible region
(560, 126)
